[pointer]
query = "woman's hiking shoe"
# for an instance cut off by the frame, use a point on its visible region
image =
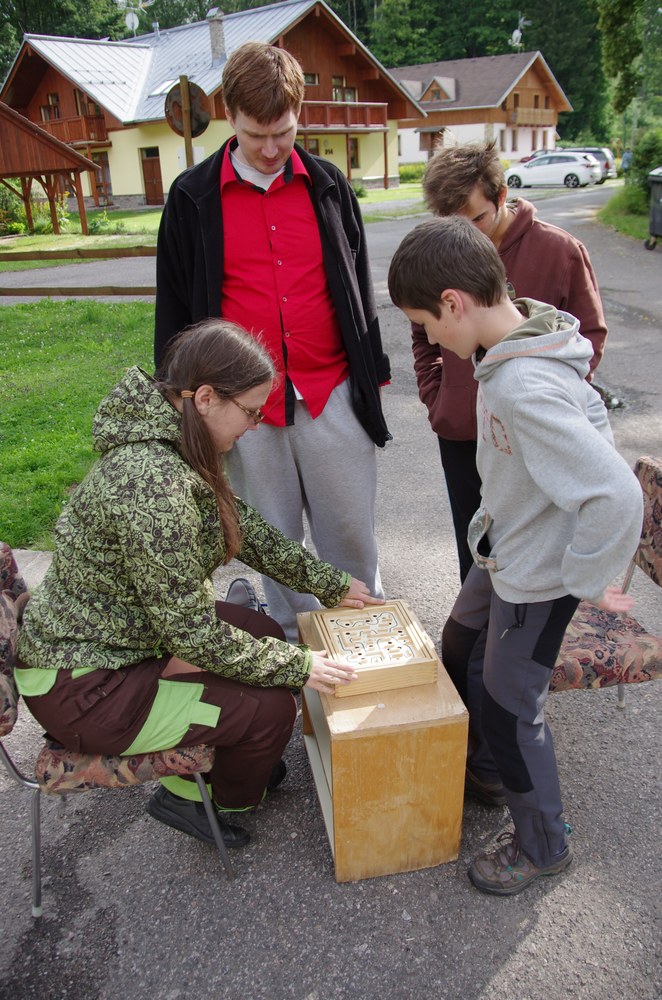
(190, 817)
(489, 794)
(507, 870)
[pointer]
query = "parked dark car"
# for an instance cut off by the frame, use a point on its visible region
(603, 155)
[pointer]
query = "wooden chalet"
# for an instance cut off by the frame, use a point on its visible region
(513, 99)
(107, 99)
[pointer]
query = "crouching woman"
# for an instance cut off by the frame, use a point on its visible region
(123, 648)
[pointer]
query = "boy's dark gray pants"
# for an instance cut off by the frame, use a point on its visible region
(500, 657)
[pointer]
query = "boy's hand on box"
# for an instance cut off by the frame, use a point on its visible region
(614, 599)
(358, 596)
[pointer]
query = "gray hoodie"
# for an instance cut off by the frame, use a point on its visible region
(562, 511)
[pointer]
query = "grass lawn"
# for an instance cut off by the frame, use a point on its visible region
(124, 229)
(627, 212)
(139, 227)
(406, 192)
(57, 360)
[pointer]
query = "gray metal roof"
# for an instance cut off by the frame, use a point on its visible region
(131, 78)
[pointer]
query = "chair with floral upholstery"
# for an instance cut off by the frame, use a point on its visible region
(601, 649)
(59, 771)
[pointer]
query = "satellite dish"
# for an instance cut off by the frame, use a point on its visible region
(199, 110)
(131, 20)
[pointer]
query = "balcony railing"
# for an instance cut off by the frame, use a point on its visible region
(342, 115)
(532, 116)
(84, 128)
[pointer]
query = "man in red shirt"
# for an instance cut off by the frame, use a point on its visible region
(271, 237)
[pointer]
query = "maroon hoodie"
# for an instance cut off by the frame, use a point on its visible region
(542, 262)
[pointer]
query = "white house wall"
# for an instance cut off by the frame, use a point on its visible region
(409, 140)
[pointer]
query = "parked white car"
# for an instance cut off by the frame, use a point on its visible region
(572, 169)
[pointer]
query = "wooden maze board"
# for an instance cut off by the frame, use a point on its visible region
(387, 645)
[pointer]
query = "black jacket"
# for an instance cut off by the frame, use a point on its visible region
(189, 271)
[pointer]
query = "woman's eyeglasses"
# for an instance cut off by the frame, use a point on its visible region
(257, 416)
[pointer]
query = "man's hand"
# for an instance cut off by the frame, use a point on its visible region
(358, 596)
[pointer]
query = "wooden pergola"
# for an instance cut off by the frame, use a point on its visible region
(29, 154)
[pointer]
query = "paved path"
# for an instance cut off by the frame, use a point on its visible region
(134, 911)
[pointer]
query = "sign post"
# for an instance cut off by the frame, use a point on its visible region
(187, 114)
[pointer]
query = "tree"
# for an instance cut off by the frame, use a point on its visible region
(8, 48)
(647, 156)
(620, 25)
(172, 13)
(93, 19)
(406, 32)
(399, 35)
(565, 31)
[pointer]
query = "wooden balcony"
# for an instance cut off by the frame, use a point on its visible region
(342, 116)
(80, 130)
(532, 116)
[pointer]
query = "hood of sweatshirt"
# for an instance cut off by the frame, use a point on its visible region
(545, 332)
(524, 214)
(135, 411)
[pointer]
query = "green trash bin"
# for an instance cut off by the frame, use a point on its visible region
(655, 224)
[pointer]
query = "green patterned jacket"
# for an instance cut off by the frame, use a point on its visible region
(135, 549)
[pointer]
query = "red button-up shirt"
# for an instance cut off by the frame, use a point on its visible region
(275, 285)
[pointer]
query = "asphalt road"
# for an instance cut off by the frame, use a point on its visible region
(134, 911)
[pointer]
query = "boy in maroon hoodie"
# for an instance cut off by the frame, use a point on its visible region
(542, 262)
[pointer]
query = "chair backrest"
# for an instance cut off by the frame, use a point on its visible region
(11, 586)
(649, 554)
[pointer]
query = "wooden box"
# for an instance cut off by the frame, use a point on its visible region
(389, 771)
(386, 644)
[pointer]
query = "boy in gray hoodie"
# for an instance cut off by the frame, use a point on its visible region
(560, 517)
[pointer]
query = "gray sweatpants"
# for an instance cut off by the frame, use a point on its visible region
(327, 468)
(501, 656)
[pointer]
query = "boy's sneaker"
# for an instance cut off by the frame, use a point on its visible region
(489, 794)
(507, 870)
(190, 817)
(243, 593)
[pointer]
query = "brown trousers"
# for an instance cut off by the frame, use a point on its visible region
(104, 710)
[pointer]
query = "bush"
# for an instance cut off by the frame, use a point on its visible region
(634, 200)
(12, 213)
(359, 189)
(101, 223)
(41, 215)
(410, 173)
(646, 156)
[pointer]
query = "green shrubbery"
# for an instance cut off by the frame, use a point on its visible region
(12, 215)
(13, 220)
(101, 224)
(646, 156)
(411, 173)
(41, 215)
